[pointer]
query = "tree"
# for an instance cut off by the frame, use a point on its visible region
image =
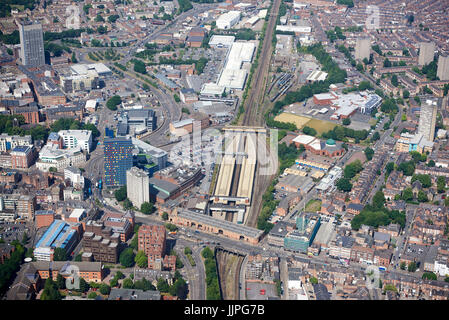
(92, 295)
(179, 289)
(162, 285)
(74, 60)
(412, 267)
(352, 169)
(141, 259)
(120, 194)
(407, 167)
(165, 216)
(369, 153)
(128, 283)
(105, 289)
(406, 94)
(144, 285)
(127, 204)
(379, 200)
(403, 265)
(84, 286)
(134, 242)
(376, 136)
(139, 66)
(187, 251)
(346, 122)
(24, 238)
(60, 282)
(113, 282)
(147, 208)
(207, 253)
(313, 280)
(422, 197)
(59, 254)
(51, 291)
(78, 257)
(407, 194)
(344, 184)
(431, 163)
(441, 184)
(429, 276)
(394, 80)
(389, 168)
(112, 103)
(127, 258)
(387, 63)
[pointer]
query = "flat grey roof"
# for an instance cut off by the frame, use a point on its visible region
(222, 224)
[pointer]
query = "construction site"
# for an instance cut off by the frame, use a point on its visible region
(233, 190)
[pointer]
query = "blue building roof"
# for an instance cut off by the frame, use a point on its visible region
(58, 235)
(53, 136)
(21, 149)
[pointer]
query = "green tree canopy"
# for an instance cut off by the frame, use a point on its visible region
(127, 258)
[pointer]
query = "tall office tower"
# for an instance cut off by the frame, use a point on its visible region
(427, 120)
(362, 48)
(426, 52)
(137, 186)
(443, 67)
(32, 45)
(118, 159)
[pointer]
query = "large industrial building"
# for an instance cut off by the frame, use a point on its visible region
(228, 20)
(233, 76)
(345, 105)
(60, 234)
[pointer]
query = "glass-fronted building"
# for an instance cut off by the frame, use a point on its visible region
(118, 159)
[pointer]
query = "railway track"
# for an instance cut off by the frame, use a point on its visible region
(251, 115)
(254, 111)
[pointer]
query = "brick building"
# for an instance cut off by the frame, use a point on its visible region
(100, 242)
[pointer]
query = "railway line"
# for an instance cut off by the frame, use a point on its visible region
(253, 116)
(254, 111)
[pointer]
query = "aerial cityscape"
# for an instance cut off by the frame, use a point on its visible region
(224, 150)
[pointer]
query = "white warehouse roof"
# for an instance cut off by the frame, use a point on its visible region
(226, 41)
(211, 89)
(234, 79)
(297, 29)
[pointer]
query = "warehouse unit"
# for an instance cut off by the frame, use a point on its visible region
(228, 20)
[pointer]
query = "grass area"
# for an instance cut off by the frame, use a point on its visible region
(300, 121)
(214, 179)
(191, 260)
(321, 126)
(313, 206)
